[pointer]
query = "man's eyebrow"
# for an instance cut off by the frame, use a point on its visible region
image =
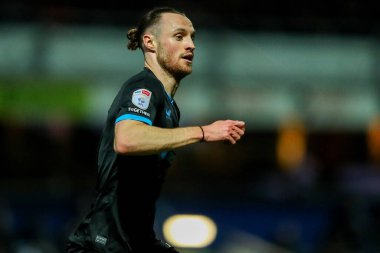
(183, 30)
(179, 30)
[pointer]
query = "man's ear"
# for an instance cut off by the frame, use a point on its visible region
(149, 42)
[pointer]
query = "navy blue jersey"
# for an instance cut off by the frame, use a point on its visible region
(128, 186)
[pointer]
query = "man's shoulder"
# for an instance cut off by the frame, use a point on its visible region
(139, 77)
(143, 79)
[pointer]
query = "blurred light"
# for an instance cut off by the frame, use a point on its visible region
(291, 145)
(189, 231)
(373, 139)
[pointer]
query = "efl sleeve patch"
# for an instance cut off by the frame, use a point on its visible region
(141, 98)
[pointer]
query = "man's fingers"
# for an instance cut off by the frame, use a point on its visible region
(236, 122)
(238, 130)
(231, 140)
(239, 123)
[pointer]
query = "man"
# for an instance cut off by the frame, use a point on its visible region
(141, 131)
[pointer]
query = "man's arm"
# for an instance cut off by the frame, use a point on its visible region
(136, 138)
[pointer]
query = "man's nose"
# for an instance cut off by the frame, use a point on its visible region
(191, 45)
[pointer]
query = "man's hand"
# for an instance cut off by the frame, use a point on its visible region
(224, 130)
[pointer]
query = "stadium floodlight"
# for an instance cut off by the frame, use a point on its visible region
(189, 231)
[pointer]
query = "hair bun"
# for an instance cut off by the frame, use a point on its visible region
(132, 36)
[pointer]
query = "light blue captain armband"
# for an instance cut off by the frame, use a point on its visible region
(134, 117)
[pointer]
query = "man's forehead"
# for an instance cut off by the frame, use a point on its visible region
(174, 21)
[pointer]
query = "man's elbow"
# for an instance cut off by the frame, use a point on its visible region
(125, 148)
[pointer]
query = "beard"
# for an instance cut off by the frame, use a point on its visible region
(175, 68)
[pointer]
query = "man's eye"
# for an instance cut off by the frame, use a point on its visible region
(179, 37)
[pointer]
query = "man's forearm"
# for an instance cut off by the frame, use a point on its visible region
(136, 138)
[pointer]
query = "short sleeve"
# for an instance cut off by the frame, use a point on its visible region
(139, 102)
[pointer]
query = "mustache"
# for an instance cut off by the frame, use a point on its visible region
(188, 55)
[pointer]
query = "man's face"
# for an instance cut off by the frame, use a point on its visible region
(175, 50)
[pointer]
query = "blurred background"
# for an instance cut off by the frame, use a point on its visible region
(304, 76)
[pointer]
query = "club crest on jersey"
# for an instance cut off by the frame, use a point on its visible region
(141, 98)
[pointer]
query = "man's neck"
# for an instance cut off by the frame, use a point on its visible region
(170, 84)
